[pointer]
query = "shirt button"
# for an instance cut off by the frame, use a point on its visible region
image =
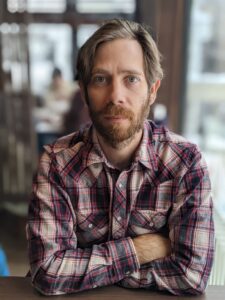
(117, 236)
(90, 225)
(119, 218)
(151, 224)
(120, 185)
(95, 286)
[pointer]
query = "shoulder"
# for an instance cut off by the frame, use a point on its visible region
(172, 147)
(65, 143)
(68, 148)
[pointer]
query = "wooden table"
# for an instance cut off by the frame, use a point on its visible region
(19, 288)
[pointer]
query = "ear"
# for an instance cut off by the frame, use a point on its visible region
(153, 91)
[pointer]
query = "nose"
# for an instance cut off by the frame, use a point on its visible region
(117, 92)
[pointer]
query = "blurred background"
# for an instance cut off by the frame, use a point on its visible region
(40, 99)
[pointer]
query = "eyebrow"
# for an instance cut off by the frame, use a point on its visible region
(128, 71)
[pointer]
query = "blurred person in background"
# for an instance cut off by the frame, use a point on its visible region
(59, 91)
(49, 118)
(123, 201)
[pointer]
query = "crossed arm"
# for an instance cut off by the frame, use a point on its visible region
(180, 264)
(159, 245)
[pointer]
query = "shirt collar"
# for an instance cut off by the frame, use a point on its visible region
(96, 155)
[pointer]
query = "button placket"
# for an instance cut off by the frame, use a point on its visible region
(127, 273)
(151, 224)
(120, 185)
(119, 207)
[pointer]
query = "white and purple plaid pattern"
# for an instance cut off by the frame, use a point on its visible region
(83, 215)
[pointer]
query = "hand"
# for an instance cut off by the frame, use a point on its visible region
(151, 246)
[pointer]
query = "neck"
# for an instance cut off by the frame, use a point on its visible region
(121, 155)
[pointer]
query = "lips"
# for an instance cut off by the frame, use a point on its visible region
(115, 117)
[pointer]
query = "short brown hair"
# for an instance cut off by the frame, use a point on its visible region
(116, 29)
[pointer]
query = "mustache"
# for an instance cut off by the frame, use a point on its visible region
(113, 110)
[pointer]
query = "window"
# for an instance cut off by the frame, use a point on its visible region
(34, 6)
(84, 31)
(205, 109)
(105, 6)
(50, 45)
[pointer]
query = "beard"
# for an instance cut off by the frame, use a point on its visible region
(114, 134)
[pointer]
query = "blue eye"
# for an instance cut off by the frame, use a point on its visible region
(133, 79)
(99, 79)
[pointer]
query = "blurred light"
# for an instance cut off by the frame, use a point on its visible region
(5, 28)
(105, 6)
(34, 6)
(15, 28)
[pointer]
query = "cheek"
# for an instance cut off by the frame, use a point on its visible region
(97, 96)
(139, 92)
(96, 102)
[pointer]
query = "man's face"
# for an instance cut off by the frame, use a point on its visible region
(118, 94)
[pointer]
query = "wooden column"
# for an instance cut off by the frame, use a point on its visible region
(169, 20)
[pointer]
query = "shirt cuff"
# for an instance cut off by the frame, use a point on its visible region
(135, 252)
(124, 257)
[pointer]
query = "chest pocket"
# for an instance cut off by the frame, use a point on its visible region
(146, 221)
(92, 227)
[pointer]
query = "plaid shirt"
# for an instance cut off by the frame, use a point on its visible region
(84, 213)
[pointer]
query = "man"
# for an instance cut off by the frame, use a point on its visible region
(57, 100)
(59, 90)
(122, 202)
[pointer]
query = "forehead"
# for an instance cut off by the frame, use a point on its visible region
(119, 52)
